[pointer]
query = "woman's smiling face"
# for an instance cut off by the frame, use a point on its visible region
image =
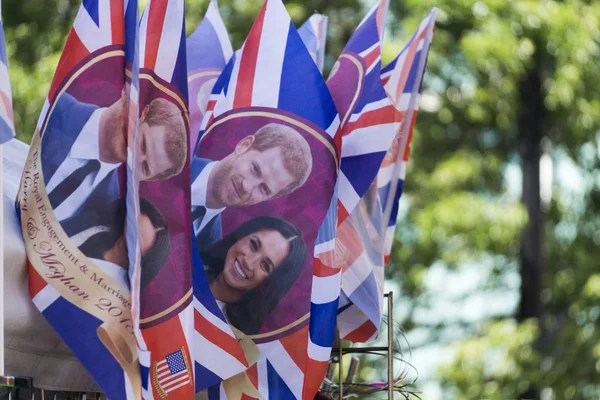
(253, 258)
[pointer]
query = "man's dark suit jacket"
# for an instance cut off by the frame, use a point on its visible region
(213, 231)
(64, 126)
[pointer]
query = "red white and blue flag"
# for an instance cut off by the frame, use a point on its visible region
(7, 123)
(377, 133)
(272, 73)
(165, 301)
(100, 27)
(208, 52)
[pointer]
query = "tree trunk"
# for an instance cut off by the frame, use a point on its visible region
(530, 137)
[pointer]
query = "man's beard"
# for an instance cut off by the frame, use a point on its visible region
(221, 175)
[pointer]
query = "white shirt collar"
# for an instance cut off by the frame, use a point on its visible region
(86, 146)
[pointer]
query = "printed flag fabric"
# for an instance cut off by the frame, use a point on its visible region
(314, 35)
(7, 122)
(208, 52)
(263, 213)
(367, 115)
(72, 199)
(163, 171)
(365, 238)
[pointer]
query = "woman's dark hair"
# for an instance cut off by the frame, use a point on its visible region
(157, 256)
(113, 217)
(249, 314)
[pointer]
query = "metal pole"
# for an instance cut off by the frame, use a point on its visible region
(341, 373)
(391, 346)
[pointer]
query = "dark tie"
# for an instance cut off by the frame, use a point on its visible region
(198, 212)
(66, 188)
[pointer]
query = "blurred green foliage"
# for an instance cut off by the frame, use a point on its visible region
(459, 209)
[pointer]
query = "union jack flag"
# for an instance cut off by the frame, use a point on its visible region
(98, 26)
(314, 35)
(208, 52)
(7, 122)
(165, 304)
(272, 70)
(366, 238)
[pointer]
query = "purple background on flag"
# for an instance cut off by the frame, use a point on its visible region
(305, 207)
(175, 277)
(101, 84)
(344, 78)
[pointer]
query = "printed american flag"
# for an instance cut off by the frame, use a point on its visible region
(266, 72)
(391, 120)
(98, 25)
(7, 128)
(172, 372)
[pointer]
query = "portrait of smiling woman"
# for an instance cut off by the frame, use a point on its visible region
(253, 268)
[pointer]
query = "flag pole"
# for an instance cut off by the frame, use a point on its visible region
(405, 127)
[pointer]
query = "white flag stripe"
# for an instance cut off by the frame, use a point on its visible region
(325, 246)
(370, 107)
(225, 104)
(318, 353)
(4, 77)
(263, 377)
(91, 35)
(143, 32)
(391, 86)
(325, 289)
(147, 394)
(373, 65)
(346, 193)
(186, 317)
(206, 352)
(389, 237)
(360, 141)
(213, 319)
(267, 76)
(45, 297)
(144, 357)
(385, 174)
(178, 386)
(170, 39)
(173, 379)
(354, 276)
(45, 109)
(128, 387)
(350, 319)
(165, 372)
(333, 128)
(213, 15)
(368, 51)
